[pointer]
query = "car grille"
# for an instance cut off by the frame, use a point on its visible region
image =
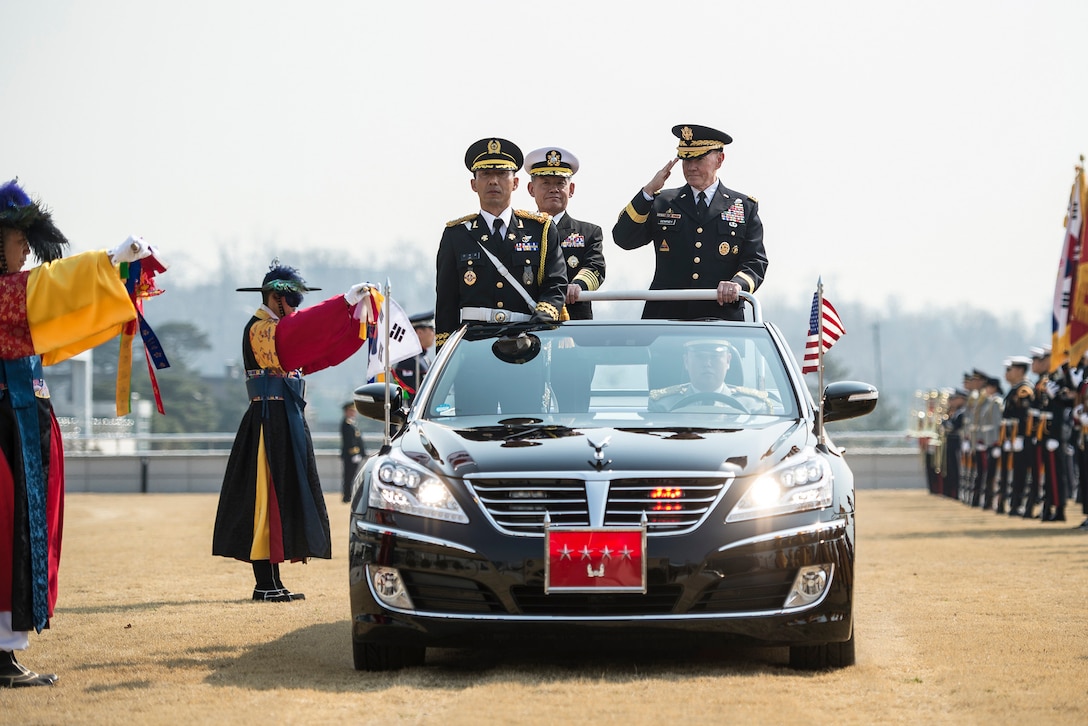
(671, 505)
(445, 593)
(747, 592)
(658, 600)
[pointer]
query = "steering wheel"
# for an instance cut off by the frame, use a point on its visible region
(709, 396)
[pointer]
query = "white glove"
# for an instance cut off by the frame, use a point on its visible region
(1051, 444)
(1076, 375)
(1052, 389)
(357, 293)
(1018, 444)
(132, 249)
(980, 446)
(995, 453)
(356, 459)
(965, 447)
(1007, 446)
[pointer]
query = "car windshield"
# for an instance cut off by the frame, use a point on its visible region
(670, 375)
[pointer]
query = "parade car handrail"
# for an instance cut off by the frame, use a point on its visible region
(595, 295)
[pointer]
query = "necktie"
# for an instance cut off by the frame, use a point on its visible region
(701, 198)
(498, 228)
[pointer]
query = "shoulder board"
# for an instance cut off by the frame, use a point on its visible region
(753, 199)
(658, 393)
(754, 392)
(526, 214)
(462, 220)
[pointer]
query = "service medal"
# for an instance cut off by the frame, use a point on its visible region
(470, 277)
(723, 248)
(572, 261)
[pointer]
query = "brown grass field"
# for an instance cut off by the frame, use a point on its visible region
(962, 617)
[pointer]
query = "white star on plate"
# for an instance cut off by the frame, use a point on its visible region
(606, 553)
(586, 552)
(625, 552)
(564, 554)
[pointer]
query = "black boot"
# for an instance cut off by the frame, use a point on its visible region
(267, 589)
(279, 584)
(14, 675)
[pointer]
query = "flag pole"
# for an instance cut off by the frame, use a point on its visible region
(385, 365)
(820, 359)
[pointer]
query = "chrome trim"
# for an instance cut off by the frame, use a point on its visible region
(598, 487)
(507, 617)
(833, 529)
(370, 528)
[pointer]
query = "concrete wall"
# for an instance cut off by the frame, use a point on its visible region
(202, 471)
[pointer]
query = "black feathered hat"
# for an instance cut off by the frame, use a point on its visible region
(285, 280)
(19, 211)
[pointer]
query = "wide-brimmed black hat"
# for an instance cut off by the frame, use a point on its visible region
(696, 140)
(19, 211)
(280, 278)
(493, 153)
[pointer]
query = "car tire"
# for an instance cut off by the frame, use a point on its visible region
(819, 657)
(379, 657)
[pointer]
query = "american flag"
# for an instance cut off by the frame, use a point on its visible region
(833, 329)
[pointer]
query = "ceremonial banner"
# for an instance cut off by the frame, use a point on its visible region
(1070, 320)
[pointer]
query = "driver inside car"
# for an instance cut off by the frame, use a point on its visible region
(707, 362)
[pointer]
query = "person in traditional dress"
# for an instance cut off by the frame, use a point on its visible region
(47, 314)
(271, 508)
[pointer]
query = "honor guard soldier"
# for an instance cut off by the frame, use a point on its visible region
(409, 372)
(988, 453)
(550, 183)
(498, 265)
(953, 437)
(1017, 418)
(704, 235)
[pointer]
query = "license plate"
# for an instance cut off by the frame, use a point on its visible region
(585, 559)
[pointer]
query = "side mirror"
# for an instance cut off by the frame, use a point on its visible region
(848, 399)
(370, 402)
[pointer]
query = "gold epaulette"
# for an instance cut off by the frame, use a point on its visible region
(462, 220)
(526, 214)
(658, 393)
(754, 392)
(753, 199)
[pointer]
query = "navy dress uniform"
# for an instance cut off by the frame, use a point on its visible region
(694, 248)
(582, 242)
(470, 288)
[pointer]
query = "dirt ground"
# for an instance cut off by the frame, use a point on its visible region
(962, 617)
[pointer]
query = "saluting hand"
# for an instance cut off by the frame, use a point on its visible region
(655, 185)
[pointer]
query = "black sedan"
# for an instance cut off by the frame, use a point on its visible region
(616, 478)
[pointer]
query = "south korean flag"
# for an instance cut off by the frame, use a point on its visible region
(403, 342)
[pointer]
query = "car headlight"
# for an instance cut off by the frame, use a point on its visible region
(402, 488)
(798, 484)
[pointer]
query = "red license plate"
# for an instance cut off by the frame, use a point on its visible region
(583, 559)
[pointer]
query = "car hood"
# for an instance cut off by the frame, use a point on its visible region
(458, 452)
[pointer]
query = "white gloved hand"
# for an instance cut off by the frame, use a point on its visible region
(1076, 375)
(965, 447)
(132, 249)
(1007, 446)
(358, 458)
(995, 453)
(1051, 444)
(1018, 444)
(357, 293)
(1052, 388)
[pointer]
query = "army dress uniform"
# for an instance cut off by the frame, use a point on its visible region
(696, 249)
(470, 288)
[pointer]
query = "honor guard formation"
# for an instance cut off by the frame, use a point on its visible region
(1017, 446)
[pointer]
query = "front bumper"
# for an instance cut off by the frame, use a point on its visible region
(462, 597)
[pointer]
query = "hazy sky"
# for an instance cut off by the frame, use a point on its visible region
(911, 153)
